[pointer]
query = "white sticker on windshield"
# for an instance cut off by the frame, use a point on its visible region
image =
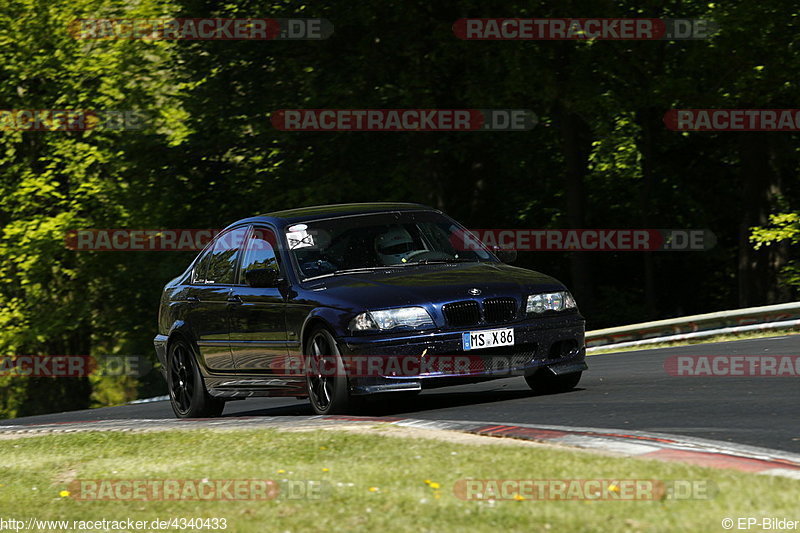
(298, 237)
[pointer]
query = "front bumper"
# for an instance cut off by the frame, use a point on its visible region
(554, 342)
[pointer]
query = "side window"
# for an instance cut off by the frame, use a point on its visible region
(260, 252)
(222, 259)
(201, 266)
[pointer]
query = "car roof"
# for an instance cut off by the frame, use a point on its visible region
(290, 216)
(344, 209)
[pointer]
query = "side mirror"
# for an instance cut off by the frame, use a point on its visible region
(262, 277)
(505, 255)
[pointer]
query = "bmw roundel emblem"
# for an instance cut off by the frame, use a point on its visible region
(474, 292)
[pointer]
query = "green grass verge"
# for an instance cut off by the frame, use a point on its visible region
(717, 338)
(36, 470)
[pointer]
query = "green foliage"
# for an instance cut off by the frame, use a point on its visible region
(782, 228)
(53, 300)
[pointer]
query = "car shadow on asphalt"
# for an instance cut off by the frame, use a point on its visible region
(399, 404)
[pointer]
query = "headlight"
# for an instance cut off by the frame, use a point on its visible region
(550, 301)
(413, 317)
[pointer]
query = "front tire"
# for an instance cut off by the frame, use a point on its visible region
(544, 381)
(326, 379)
(187, 391)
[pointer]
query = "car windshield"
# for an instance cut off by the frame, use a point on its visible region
(374, 241)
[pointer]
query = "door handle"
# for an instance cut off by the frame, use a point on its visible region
(234, 299)
(193, 299)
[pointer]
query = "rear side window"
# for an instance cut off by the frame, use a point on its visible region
(219, 265)
(201, 267)
(260, 252)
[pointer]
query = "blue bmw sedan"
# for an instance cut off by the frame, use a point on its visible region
(337, 303)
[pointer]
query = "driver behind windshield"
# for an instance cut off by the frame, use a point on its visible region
(395, 245)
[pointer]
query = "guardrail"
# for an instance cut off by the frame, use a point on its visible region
(767, 317)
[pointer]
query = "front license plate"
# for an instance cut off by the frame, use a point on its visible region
(477, 340)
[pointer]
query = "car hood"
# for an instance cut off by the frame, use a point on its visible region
(417, 285)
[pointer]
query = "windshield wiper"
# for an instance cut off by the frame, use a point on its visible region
(390, 267)
(359, 269)
(349, 271)
(442, 261)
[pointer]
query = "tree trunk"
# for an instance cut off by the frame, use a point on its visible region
(758, 269)
(648, 119)
(576, 145)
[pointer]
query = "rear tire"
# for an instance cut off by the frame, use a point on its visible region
(187, 391)
(544, 381)
(327, 383)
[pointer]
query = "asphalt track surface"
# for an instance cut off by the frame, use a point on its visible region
(626, 391)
